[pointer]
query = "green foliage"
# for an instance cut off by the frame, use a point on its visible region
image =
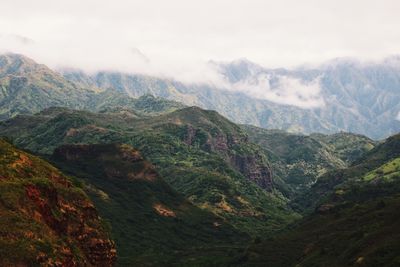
(300, 160)
(193, 150)
(184, 146)
(27, 88)
(31, 193)
(371, 160)
(355, 222)
(133, 190)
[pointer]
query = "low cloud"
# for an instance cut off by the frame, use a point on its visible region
(14, 43)
(277, 89)
(282, 90)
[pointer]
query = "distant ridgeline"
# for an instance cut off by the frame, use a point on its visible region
(355, 97)
(342, 95)
(183, 186)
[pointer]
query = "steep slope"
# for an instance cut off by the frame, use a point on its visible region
(27, 87)
(352, 97)
(152, 224)
(355, 222)
(329, 183)
(301, 159)
(47, 220)
(199, 153)
(143, 105)
(347, 146)
(360, 98)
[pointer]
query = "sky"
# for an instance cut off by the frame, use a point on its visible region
(176, 38)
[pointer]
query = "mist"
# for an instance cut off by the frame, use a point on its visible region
(176, 39)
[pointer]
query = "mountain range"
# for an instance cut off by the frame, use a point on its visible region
(340, 95)
(132, 170)
(354, 222)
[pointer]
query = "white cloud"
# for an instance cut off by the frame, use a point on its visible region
(176, 38)
(282, 90)
(100, 34)
(398, 116)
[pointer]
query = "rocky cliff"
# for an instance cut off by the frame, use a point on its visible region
(46, 219)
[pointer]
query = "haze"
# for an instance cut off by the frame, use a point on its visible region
(177, 38)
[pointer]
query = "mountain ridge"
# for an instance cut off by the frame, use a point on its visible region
(342, 88)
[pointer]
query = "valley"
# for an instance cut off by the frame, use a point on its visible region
(125, 170)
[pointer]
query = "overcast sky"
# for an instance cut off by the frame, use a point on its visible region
(175, 36)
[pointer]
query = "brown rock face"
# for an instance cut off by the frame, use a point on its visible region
(250, 167)
(73, 219)
(45, 211)
(250, 164)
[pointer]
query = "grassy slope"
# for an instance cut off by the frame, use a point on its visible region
(27, 88)
(130, 195)
(301, 159)
(200, 171)
(355, 224)
(327, 184)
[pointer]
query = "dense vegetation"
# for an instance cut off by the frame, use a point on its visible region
(46, 218)
(355, 222)
(202, 191)
(151, 223)
(199, 153)
(353, 97)
(302, 159)
(27, 87)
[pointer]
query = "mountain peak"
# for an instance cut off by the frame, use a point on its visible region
(17, 64)
(239, 69)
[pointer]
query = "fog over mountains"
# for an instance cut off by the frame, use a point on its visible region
(339, 95)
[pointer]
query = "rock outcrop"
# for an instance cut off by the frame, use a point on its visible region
(45, 219)
(237, 151)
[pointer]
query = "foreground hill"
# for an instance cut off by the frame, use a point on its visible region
(199, 153)
(47, 220)
(152, 224)
(355, 222)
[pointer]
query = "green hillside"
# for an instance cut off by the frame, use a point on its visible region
(46, 218)
(27, 87)
(199, 153)
(302, 159)
(151, 223)
(354, 224)
(327, 184)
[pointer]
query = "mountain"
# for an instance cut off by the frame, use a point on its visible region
(341, 95)
(300, 160)
(354, 222)
(331, 181)
(181, 185)
(27, 87)
(201, 154)
(152, 224)
(46, 218)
